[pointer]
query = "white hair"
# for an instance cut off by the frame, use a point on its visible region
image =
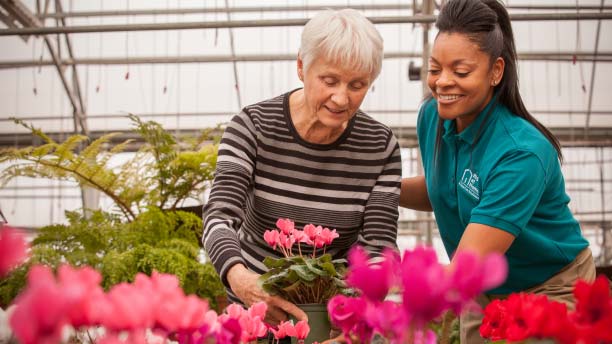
(345, 38)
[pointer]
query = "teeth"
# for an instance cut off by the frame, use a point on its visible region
(448, 96)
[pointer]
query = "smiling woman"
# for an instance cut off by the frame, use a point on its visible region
(310, 155)
(492, 172)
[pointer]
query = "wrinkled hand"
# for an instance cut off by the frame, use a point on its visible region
(243, 283)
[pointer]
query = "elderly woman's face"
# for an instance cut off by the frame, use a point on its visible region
(333, 93)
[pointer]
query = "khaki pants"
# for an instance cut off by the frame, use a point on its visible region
(559, 288)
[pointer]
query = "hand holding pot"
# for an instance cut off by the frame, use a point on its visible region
(243, 283)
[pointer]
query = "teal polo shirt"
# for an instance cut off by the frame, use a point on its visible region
(502, 172)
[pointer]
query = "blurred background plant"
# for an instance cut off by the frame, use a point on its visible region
(145, 229)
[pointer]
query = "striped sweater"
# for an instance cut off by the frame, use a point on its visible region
(266, 171)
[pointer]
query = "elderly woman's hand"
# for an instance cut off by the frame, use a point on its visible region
(244, 284)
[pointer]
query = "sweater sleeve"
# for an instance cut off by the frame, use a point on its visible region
(381, 210)
(224, 212)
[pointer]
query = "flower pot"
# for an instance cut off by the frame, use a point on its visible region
(318, 320)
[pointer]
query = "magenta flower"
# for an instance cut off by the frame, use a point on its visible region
(286, 226)
(361, 274)
(230, 332)
(389, 319)
(424, 285)
(345, 312)
(13, 249)
(471, 275)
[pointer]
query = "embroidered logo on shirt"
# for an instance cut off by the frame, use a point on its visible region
(469, 183)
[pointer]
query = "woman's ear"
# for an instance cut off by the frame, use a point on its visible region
(497, 71)
(300, 68)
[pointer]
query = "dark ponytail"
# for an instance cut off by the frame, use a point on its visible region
(487, 24)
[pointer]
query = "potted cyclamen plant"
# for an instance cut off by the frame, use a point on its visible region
(306, 279)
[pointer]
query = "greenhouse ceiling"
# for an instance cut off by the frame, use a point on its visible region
(81, 66)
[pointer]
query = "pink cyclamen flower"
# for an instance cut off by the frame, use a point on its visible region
(285, 328)
(235, 311)
(131, 308)
(345, 312)
(327, 236)
(300, 330)
(13, 249)
(389, 319)
(80, 287)
(258, 310)
(272, 237)
(286, 241)
(312, 231)
(361, 274)
(424, 285)
(40, 313)
(286, 226)
(471, 275)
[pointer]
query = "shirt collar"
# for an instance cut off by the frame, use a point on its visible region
(476, 128)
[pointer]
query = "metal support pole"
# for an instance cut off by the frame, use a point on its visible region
(588, 118)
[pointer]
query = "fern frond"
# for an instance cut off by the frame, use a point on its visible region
(31, 128)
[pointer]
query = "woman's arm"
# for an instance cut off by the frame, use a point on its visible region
(483, 239)
(414, 194)
(381, 210)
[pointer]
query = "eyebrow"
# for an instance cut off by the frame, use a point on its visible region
(455, 62)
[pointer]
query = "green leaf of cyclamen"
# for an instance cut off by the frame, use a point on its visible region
(329, 268)
(272, 263)
(325, 258)
(303, 272)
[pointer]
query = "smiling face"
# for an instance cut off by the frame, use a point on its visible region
(332, 93)
(461, 78)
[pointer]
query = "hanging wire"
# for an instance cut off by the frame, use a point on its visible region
(178, 78)
(216, 29)
(578, 48)
(34, 88)
(127, 43)
(533, 91)
(100, 47)
(165, 89)
(17, 112)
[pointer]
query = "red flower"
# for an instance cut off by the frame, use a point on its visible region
(495, 321)
(593, 315)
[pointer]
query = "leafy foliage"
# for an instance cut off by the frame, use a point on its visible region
(302, 279)
(156, 240)
(138, 236)
(163, 173)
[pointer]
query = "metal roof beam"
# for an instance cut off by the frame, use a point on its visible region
(260, 9)
(280, 22)
(605, 56)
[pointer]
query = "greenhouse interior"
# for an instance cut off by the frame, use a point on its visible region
(112, 114)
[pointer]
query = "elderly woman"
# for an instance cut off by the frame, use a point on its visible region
(309, 155)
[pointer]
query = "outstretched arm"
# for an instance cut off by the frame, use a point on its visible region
(414, 194)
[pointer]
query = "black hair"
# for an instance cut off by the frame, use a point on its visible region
(487, 24)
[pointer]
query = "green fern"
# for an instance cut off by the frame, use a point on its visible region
(146, 232)
(163, 173)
